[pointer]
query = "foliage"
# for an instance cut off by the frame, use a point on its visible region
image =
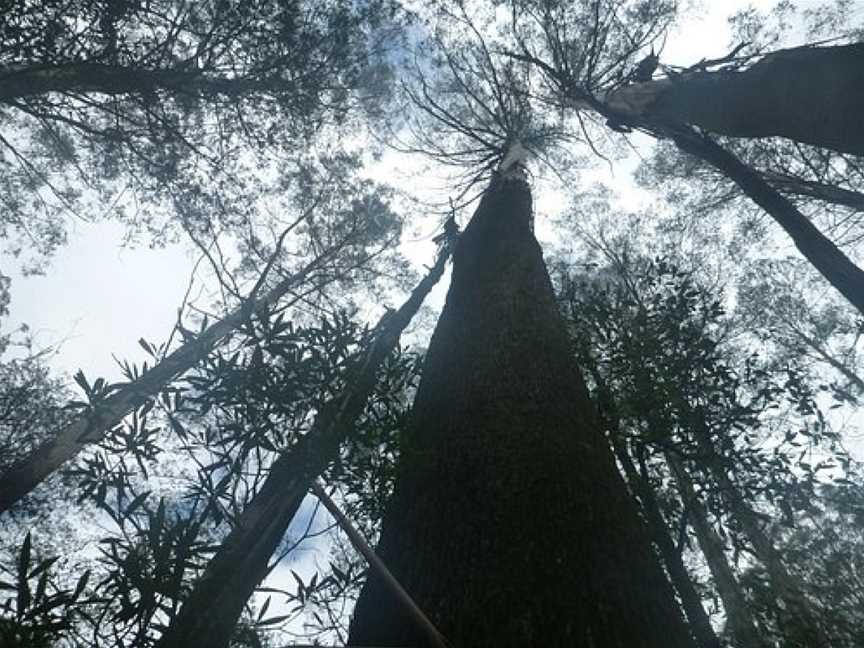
(656, 345)
(120, 109)
(225, 120)
(40, 611)
(31, 406)
(249, 401)
(825, 549)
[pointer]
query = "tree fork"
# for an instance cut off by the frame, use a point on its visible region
(510, 525)
(211, 611)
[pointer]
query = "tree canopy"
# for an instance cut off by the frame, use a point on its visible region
(632, 422)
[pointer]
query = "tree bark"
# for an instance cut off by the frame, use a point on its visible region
(739, 621)
(210, 613)
(510, 525)
(813, 95)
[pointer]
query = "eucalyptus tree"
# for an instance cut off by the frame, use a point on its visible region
(817, 330)
(825, 185)
(331, 233)
(31, 406)
(232, 434)
(503, 468)
(778, 296)
(243, 559)
(811, 94)
(205, 113)
(596, 75)
(125, 109)
(826, 549)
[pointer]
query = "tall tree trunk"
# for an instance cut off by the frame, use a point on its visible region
(691, 602)
(211, 611)
(89, 428)
(813, 95)
(740, 622)
(510, 525)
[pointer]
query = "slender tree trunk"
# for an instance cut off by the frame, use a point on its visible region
(826, 356)
(210, 613)
(691, 602)
(796, 611)
(795, 186)
(510, 525)
(24, 476)
(88, 78)
(818, 249)
(739, 621)
(641, 489)
(813, 95)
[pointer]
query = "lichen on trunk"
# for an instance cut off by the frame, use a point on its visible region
(510, 525)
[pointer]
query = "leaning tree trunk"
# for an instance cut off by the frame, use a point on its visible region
(795, 609)
(739, 621)
(641, 488)
(813, 95)
(785, 101)
(211, 611)
(510, 525)
(89, 428)
(818, 249)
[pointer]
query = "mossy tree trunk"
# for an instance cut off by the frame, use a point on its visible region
(510, 525)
